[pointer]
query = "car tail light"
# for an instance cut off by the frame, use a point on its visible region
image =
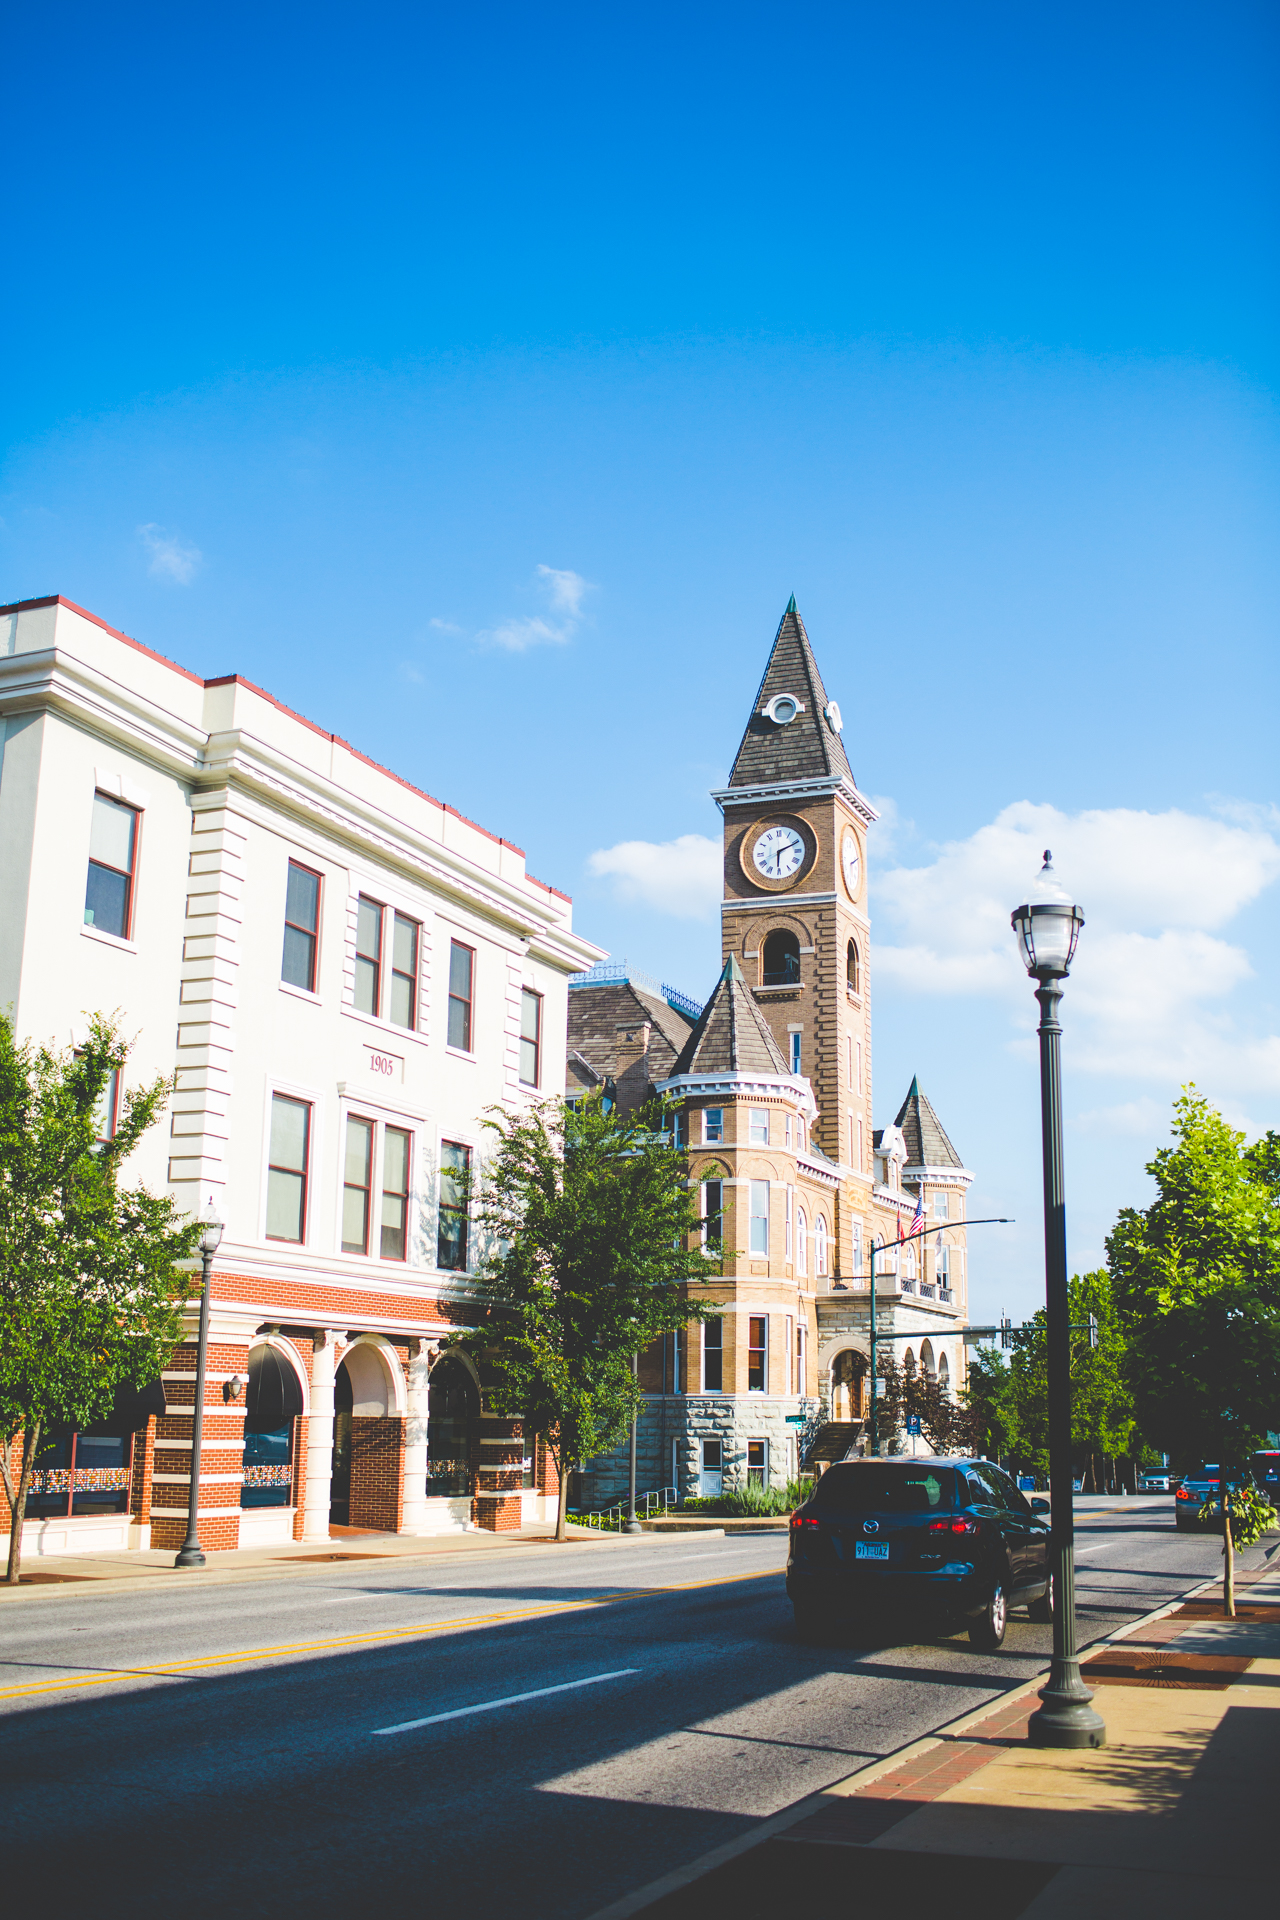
(953, 1526)
(799, 1520)
(1182, 1494)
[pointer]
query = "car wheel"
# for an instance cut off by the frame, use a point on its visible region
(1041, 1610)
(987, 1631)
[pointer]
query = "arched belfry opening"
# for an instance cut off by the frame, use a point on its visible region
(853, 968)
(781, 959)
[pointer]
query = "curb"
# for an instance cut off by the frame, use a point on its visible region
(852, 1783)
(81, 1587)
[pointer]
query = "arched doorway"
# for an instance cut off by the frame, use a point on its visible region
(363, 1398)
(453, 1413)
(272, 1405)
(848, 1377)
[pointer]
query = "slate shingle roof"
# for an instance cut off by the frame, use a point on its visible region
(731, 1035)
(807, 748)
(927, 1143)
(596, 1013)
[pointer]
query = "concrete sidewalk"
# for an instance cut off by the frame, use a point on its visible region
(1170, 1819)
(82, 1573)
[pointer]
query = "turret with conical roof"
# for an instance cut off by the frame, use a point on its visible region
(731, 1034)
(923, 1133)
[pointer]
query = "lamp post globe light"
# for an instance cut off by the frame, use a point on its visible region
(189, 1554)
(1048, 927)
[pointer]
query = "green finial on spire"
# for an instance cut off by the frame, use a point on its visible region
(914, 1090)
(791, 604)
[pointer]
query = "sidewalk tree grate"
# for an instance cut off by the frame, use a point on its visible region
(1205, 1672)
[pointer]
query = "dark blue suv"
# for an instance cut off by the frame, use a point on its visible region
(938, 1541)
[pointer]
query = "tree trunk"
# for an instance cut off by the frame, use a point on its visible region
(562, 1504)
(18, 1505)
(1228, 1564)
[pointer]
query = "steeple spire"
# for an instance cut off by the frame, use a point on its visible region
(795, 738)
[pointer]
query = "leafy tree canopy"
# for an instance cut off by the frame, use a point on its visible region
(593, 1230)
(90, 1295)
(1196, 1278)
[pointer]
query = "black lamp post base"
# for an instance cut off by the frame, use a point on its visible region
(1066, 1719)
(189, 1557)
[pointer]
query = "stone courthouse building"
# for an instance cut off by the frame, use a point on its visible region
(773, 1078)
(343, 973)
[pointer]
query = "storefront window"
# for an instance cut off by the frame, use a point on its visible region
(453, 1408)
(89, 1470)
(272, 1404)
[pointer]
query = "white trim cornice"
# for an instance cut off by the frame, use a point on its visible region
(778, 792)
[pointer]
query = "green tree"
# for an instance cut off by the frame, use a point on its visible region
(90, 1294)
(591, 1222)
(986, 1403)
(1196, 1280)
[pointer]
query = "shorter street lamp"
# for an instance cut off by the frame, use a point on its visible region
(1047, 928)
(189, 1554)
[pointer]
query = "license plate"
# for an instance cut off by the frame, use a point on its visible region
(871, 1550)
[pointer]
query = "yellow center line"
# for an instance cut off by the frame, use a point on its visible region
(111, 1675)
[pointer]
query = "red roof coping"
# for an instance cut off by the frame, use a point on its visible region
(60, 600)
(238, 679)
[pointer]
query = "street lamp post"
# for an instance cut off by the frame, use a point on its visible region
(189, 1554)
(1047, 929)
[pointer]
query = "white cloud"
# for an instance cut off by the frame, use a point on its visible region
(443, 626)
(681, 877)
(172, 558)
(1152, 968)
(565, 587)
(563, 590)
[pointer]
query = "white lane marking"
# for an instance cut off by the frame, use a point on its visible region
(512, 1700)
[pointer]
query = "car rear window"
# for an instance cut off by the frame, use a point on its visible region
(881, 1487)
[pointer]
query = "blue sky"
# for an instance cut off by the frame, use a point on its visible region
(483, 381)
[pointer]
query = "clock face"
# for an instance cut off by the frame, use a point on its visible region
(851, 861)
(778, 853)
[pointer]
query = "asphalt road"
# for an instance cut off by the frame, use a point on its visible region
(673, 1707)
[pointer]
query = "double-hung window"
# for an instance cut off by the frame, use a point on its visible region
(403, 1010)
(757, 1352)
(757, 1462)
(530, 1036)
(795, 1053)
(712, 1126)
(462, 968)
(758, 1132)
(288, 1166)
(713, 1356)
(358, 1188)
(394, 1240)
(301, 928)
(451, 1235)
(941, 1207)
(113, 845)
(713, 1212)
(386, 983)
(369, 917)
(760, 1216)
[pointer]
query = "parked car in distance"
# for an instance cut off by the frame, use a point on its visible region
(1195, 1489)
(1265, 1468)
(1157, 1481)
(938, 1542)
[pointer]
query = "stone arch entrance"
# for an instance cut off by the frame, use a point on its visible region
(366, 1488)
(849, 1385)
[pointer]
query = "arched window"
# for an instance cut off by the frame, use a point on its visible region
(853, 968)
(908, 1361)
(781, 958)
(944, 1373)
(802, 1241)
(820, 1245)
(909, 1261)
(926, 1358)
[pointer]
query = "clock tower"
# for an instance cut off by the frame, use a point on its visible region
(794, 914)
